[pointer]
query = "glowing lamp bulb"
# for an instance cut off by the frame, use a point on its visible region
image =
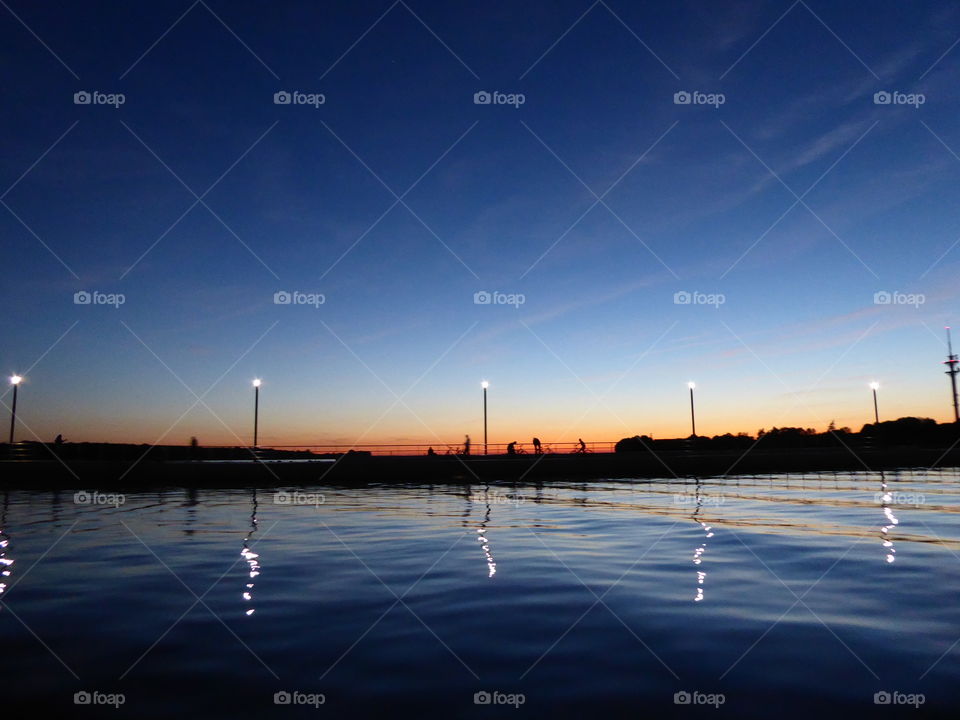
(256, 383)
(874, 385)
(15, 379)
(691, 385)
(484, 384)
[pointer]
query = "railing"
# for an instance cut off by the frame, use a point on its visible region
(476, 448)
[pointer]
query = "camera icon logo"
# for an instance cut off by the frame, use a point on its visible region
(82, 298)
(682, 698)
(282, 297)
(882, 297)
(282, 698)
(482, 698)
(482, 298)
(881, 698)
(681, 98)
(882, 98)
(281, 498)
(682, 297)
(282, 98)
(82, 698)
(81, 497)
(482, 98)
(82, 98)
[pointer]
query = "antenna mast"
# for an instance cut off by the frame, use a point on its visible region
(951, 362)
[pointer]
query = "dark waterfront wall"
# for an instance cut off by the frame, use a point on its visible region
(359, 469)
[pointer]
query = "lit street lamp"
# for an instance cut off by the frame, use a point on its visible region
(876, 413)
(15, 380)
(484, 385)
(693, 417)
(256, 409)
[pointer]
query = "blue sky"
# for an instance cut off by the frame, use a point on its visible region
(796, 200)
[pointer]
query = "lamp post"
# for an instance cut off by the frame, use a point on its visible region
(876, 413)
(693, 417)
(15, 380)
(256, 409)
(484, 385)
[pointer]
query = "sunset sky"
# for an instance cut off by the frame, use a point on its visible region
(399, 198)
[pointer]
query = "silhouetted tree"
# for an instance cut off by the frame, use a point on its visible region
(637, 443)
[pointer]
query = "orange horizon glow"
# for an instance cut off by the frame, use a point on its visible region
(274, 432)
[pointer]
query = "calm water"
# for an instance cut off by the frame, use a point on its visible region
(776, 596)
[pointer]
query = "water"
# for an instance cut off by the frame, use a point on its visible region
(777, 596)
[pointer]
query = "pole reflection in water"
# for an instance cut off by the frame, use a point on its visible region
(252, 558)
(192, 504)
(885, 499)
(698, 553)
(6, 562)
(482, 536)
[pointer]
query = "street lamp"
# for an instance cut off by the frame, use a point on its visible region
(484, 385)
(256, 409)
(15, 380)
(693, 417)
(876, 413)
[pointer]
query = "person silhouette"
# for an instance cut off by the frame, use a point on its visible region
(58, 440)
(466, 445)
(583, 445)
(430, 451)
(512, 448)
(537, 447)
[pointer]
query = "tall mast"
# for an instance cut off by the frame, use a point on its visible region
(951, 362)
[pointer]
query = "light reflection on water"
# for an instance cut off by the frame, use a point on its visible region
(6, 562)
(252, 559)
(587, 605)
(702, 547)
(887, 539)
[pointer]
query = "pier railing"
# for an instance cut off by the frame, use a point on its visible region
(476, 448)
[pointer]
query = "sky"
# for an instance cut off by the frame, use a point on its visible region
(782, 239)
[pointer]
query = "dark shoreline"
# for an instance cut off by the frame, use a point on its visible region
(364, 469)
